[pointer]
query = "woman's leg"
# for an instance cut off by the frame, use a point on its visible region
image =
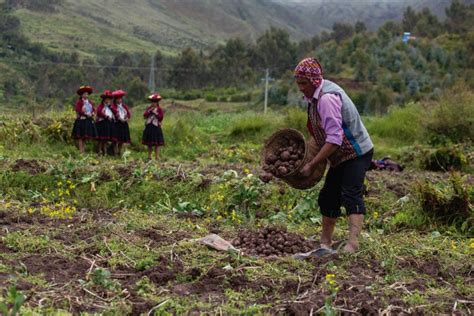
(150, 151)
(103, 148)
(352, 197)
(330, 205)
(80, 143)
(157, 152)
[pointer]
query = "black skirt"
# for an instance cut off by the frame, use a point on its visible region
(122, 132)
(153, 136)
(84, 129)
(106, 130)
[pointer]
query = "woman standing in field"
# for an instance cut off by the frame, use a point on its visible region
(122, 116)
(105, 122)
(335, 125)
(84, 127)
(153, 135)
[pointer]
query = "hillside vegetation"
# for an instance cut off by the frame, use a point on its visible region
(93, 27)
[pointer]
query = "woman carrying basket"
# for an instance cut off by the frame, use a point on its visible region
(336, 126)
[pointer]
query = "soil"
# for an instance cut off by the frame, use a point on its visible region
(158, 237)
(125, 172)
(32, 166)
(56, 269)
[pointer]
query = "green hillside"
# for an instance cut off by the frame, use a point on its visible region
(94, 27)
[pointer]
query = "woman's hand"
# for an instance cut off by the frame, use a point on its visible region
(307, 170)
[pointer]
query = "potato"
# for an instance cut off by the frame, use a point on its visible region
(285, 156)
(266, 177)
(282, 170)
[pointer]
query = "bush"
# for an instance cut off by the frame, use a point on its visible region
(240, 97)
(448, 202)
(450, 157)
(452, 118)
(210, 97)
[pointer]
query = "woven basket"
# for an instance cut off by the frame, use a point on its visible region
(294, 178)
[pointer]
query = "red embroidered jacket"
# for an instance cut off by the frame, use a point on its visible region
(103, 114)
(115, 110)
(153, 115)
(80, 110)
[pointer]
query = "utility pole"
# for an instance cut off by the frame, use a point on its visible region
(151, 79)
(267, 78)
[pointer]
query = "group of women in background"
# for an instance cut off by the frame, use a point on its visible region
(108, 124)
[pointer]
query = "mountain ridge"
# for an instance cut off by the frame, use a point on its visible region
(96, 27)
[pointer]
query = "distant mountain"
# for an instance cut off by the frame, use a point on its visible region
(372, 12)
(96, 27)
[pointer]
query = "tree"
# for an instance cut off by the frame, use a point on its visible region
(360, 27)
(121, 60)
(137, 90)
(10, 88)
(230, 64)
(427, 25)
(275, 50)
(361, 61)
(341, 31)
(189, 70)
(460, 17)
(410, 19)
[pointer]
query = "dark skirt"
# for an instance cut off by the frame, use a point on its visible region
(122, 132)
(84, 129)
(106, 130)
(153, 136)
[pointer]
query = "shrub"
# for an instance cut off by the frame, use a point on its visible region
(240, 97)
(210, 97)
(452, 118)
(450, 157)
(448, 202)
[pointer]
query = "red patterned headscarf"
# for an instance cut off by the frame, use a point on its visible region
(311, 69)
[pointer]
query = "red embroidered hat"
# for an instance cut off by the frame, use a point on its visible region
(155, 97)
(83, 89)
(118, 93)
(107, 94)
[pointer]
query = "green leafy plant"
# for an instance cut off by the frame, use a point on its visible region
(11, 304)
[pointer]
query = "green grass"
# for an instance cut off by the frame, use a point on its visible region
(79, 34)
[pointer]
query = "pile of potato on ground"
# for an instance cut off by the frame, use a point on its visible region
(272, 241)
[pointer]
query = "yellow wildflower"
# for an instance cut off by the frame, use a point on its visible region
(330, 279)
